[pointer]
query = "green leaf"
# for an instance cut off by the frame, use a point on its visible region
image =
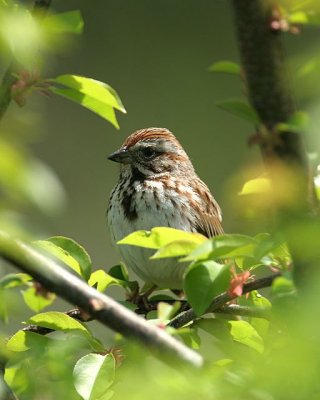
(66, 22)
(35, 301)
(203, 281)
(101, 280)
(256, 186)
(57, 321)
(92, 94)
(216, 327)
(309, 17)
(190, 337)
(167, 311)
(176, 249)
(223, 246)
(13, 280)
(228, 67)
(69, 252)
(62, 322)
(240, 109)
(76, 251)
(159, 237)
(243, 332)
(25, 179)
(24, 340)
(273, 245)
(282, 286)
(3, 307)
(22, 34)
(119, 272)
(261, 325)
(93, 376)
(297, 123)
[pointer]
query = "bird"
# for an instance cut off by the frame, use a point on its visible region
(158, 186)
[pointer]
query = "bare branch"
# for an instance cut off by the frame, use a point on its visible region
(267, 77)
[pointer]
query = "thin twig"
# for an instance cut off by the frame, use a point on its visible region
(223, 298)
(231, 309)
(55, 278)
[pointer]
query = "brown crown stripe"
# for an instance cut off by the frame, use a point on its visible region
(149, 134)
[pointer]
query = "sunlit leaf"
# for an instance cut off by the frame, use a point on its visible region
(3, 307)
(75, 250)
(307, 17)
(240, 109)
(24, 340)
(203, 281)
(176, 249)
(228, 67)
(22, 34)
(243, 332)
(69, 252)
(297, 123)
(66, 22)
(159, 237)
(256, 186)
(93, 376)
(92, 94)
(167, 311)
(224, 246)
(35, 301)
(101, 280)
(62, 322)
(14, 280)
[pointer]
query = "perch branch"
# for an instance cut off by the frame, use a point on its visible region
(55, 278)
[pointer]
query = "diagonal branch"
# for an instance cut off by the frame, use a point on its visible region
(55, 278)
(223, 298)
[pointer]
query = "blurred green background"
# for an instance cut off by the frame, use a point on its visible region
(156, 55)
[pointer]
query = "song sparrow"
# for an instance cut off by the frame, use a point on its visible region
(158, 187)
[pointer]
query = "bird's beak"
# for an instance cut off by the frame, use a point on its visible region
(121, 156)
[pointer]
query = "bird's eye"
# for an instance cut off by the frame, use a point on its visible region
(148, 153)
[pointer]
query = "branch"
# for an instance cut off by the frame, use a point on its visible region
(55, 278)
(267, 78)
(40, 9)
(223, 298)
(231, 309)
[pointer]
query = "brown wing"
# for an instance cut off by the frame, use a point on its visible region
(209, 216)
